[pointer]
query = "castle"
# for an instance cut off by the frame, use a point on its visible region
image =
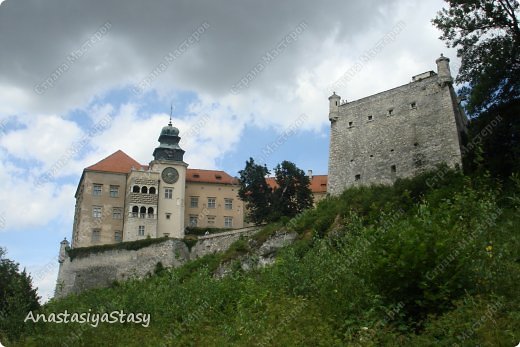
(397, 133)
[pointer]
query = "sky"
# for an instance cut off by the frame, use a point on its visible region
(80, 80)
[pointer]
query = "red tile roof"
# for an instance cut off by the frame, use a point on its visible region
(318, 183)
(209, 176)
(118, 162)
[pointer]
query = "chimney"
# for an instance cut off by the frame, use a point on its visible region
(309, 173)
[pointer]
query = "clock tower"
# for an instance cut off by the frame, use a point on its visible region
(168, 162)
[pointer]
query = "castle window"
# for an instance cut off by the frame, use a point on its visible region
(114, 191)
(96, 211)
(370, 117)
(413, 105)
(142, 212)
(212, 202)
(393, 169)
(135, 189)
(168, 193)
(151, 190)
(350, 124)
(96, 235)
(228, 222)
(193, 221)
(150, 212)
(228, 204)
(390, 111)
(211, 220)
(144, 190)
(168, 215)
(135, 211)
(357, 177)
(117, 213)
(117, 236)
(96, 190)
(416, 144)
(391, 150)
(194, 201)
(140, 230)
(371, 155)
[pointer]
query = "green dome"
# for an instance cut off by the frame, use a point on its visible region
(170, 130)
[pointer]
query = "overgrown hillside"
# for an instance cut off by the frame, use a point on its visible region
(432, 261)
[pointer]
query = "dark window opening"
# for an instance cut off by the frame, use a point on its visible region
(350, 124)
(413, 105)
(144, 190)
(393, 168)
(135, 189)
(390, 112)
(370, 117)
(152, 190)
(142, 212)
(357, 177)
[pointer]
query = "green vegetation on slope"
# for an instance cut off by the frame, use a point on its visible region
(431, 261)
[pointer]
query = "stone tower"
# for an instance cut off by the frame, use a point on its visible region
(396, 133)
(168, 162)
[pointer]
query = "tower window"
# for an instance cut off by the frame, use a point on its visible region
(96, 211)
(150, 212)
(350, 124)
(135, 189)
(228, 204)
(140, 230)
(393, 169)
(416, 144)
(135, 211)
(97, 189)
(142, 212)
(144, 190)
(370, 117)
(390, 111)
(168, 215)
(168, 193)
(151, 190)
(371, 155)
(117, 213)
(193, 220)
(413, 105)
(357, 177)
(96, 235)
(114, 191)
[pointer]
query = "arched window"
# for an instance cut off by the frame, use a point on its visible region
(144, 190)
(135, 189)
(135, 211)
(142, 212)
(152, 190)
(150, 212)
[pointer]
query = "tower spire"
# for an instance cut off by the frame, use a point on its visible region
(171, 112)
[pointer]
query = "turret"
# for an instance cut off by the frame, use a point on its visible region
(64, 245)
(334, 101)
(443, 70)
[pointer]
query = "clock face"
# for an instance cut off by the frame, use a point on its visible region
(170, 175)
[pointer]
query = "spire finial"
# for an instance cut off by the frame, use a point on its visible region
(171, 112)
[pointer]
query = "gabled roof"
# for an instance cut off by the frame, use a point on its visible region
(318, 183)
(118, 162)
(209, 176)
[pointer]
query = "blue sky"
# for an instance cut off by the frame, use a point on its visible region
(240, 76)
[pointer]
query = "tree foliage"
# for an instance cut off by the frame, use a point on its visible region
(292, 194)
(486, 34)
(255, 191)
(17, 298)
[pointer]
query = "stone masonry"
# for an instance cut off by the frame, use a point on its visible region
(397, 133)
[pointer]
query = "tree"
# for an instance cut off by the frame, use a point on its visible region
(486, 34)
(17, 298)
(292, 194)
(255, 191)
